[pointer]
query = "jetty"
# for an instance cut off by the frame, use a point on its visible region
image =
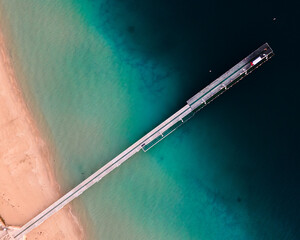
(194, 104)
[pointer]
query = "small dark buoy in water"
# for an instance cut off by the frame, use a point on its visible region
(239, 199)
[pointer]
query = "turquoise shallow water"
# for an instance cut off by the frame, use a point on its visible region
(100, 74)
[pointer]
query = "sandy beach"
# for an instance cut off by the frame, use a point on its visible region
(27, 180)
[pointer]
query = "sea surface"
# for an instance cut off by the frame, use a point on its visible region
(98, 75)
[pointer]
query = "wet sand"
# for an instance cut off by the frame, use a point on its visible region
(27, 179)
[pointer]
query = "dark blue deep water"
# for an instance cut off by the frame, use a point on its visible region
(115, 69)
(253, 136)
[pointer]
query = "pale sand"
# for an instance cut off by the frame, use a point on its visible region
(27, 180)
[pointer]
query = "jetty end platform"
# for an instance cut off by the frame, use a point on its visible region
(194, 104)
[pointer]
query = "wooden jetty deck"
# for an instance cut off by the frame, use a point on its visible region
(193, 105)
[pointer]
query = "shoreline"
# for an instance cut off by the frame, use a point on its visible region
(27, 179)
